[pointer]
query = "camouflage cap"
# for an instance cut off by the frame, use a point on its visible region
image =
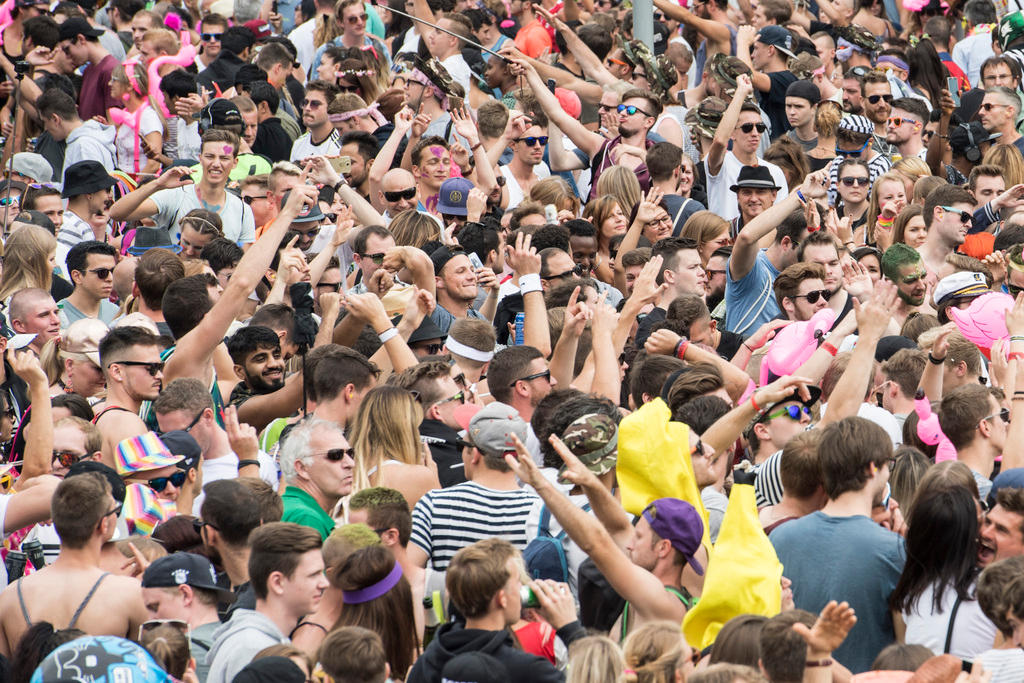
(858, 36)
(726, 69)
(594, 439)
(656, 68)
(804, 65)
(1011, 29)
(705, 116)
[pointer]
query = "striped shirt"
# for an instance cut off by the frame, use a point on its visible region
(446, 520)
(768, 485)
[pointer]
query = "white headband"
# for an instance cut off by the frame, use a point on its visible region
(460, 349)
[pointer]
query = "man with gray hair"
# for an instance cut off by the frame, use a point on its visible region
(998, 113)
(317, 464)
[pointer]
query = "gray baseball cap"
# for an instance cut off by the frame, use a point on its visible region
(492, 427)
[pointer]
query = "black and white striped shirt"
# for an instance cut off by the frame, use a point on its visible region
(446, 520)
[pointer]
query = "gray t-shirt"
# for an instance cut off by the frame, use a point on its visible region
(174, 203)
(808, 145)
(844, 558)
(69, 314)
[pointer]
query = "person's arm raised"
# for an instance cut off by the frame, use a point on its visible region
(193, 352)
(368, 307)
(525, 263)
(466, 127)
(723, 133)
(644, 591)
(1013, 451)
(745, 37)
(872, 319)
(724, 431)
(38, 456)
(589, 142)
(319, 170)
(137, 204)
(665, 341)
(716, 32)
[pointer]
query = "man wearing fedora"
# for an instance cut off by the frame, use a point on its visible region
(87, 189)
(741, 125)
(756, 191)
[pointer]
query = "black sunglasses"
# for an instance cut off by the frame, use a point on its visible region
(873, 99)
(851, 181)
(158, 484)
(537, 375)
(377, 258)
(576, 270)
(338, 454)
(749, 127)
(532, 141)
(116, 511)
(1003, 414)
(101, 273)
(152, 368)
(812, 297)
(250, 200)
(397, 195)
(431, 349)
(330, 286)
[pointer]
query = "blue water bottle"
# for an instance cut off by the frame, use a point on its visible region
(520, 328)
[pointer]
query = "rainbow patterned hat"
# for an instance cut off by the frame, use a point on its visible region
(143, 453)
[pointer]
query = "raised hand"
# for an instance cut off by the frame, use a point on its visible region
(857, 281)
(522, 464)
(178, 176)
(830, 630)
(404, 120)
(576, 315)
(465, 126)
(241, 436)
(645, 289)
(649, 206)
(522, 258)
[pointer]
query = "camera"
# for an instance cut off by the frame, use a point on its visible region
(21, 67)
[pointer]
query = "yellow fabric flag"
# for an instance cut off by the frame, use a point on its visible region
(743, 574)
(654, 461)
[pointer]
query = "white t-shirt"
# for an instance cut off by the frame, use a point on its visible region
(722, 200)
(124, 141)
(303, 146)
(174, 203)
(226, 467)
(458, 70)
(973, 633)
(302, 39)
(189, 143)
(515, 193)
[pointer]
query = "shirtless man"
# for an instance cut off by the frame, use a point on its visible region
(74, 592)
(130, 358)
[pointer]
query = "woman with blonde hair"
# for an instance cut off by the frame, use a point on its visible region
(139, 141)
(388, 451)
(710, 231)
(554, 190)
(414, 229)
(656, 653)
(70, 361)
(826, 123)
(30, 255)
(622, 184)
(888, 198)
(1009, 159)
(594, 659)
(910, 169)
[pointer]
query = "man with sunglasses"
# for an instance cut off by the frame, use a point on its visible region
(905, 127)
(527, 164)
(210, 31)
(853, 141)
(948, 216)
(130, 358)
(877, 98)
(316, 464)
(398, 193)
(800, 291)
(91, 267)
(976, 424)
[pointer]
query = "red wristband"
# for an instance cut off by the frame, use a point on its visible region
(681, 348)
(753, 404)
(1015, 355)
(831, 349)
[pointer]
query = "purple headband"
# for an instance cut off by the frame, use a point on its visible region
(895, 61)
(374, 591)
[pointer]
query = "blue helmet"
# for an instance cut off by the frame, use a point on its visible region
(100, 659)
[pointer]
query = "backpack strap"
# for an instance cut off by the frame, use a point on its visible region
(561, 534)
(545, 520)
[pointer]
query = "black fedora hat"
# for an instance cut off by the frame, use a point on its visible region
(85, 177)
(758, 177)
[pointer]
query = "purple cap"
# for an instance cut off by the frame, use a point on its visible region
(679, 523)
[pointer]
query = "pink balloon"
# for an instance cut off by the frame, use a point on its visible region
(985, 321)
(794, 344)
(929, 431)
(186, 55)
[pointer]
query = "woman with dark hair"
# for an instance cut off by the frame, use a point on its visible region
(934, 602)
(739, 641)
(178, 534)
(927, 72)
(38, 641)
(378, 597)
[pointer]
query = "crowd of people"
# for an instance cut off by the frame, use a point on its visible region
(484, 340)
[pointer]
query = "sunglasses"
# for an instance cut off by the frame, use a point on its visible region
(198, 524)
(7, 201)
(698, 448)
(250, 200)
(348, 88)
(749, 127)
(812, 297)
(152, 368)
(605, 107)
(210, 37)
(338, 454)
(460, 397)
(1003, 414)
(852, 152)
(630, 109)
(897, 121)
(534, 141)
(989, 106)
(311, 104)
(397, 195)
(793, 412)
(965, 216)
(101, 273)
(610, 60)
(329, 286)
(873, 99)
(67, 458)
(376, 258)
(577, 270)
(433, 350)
(158, 484)
(116, 511)
(537, 375)
(356, 19)
(863, 181)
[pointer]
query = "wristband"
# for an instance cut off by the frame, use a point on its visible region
(681, 348)
(885, 223)
(935, 361)
(818, 662)
(529, 283)
(473, 148)
(753, 404)
(340, 184)
(830, 348)
(248, 463)
(1016, 338)
(801, 196)
(1015, 355)
(388, 334)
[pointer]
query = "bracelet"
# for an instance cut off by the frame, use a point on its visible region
(1015, 355)
(885, 223)
(801, 196)
(935, 361)
(748, 347)
(830, 348)
(681, 348)
(248, 463)
(340, 184)
(479, 144)
(388, 334)
(753, 404)
(529, 283)
(818, 662)
(1017, 338)
(1017, 398)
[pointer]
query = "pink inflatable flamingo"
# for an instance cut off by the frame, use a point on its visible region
(794, 344)
(985, 321)
(186, 55)
(928, 429)
(5, 17)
